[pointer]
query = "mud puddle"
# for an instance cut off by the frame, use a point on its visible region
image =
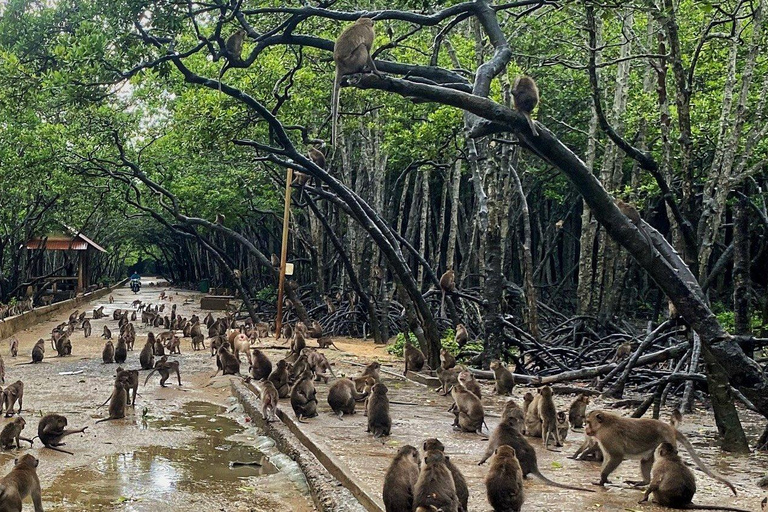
(153, 477)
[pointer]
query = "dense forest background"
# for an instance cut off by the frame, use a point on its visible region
(113, 121)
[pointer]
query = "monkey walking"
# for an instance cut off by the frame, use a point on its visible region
(20, 482)
(525, 96)
(164, 368)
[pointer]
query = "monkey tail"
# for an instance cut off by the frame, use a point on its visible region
(688, 446)
(693, 506)
(547, 481)
(335, 106)
(532, 125)
(149, 375)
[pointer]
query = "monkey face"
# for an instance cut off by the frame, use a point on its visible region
(593, 421)
(495, 364)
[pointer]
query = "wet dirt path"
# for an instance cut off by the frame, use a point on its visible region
(367, 458)
(172, 451)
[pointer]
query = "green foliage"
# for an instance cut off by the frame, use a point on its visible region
(447, 342)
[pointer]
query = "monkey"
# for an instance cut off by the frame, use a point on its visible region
(220, 217)
(131, 378)
(319, 364)
(447, 285)
(287, 331)
(622, 352)
(14, 347)
(106, 333)
(261, 366)
(459, 482)
(20, 482)
(12, 433)
(676, 419)
(504, 482)
(505, 382)
(116, 314)
(118, 400)
(108, 354)
(315, 330)
(672, 483)
(435, 487)
(147, 356)
(226, 362)
(303, 400)
(467, 410)
(548, 415)
(64, 346)
(399, 480)
(764, 505)
(578, 411)
(38, 352)
(621, 438)
(326, 342)
(589, 450)
(51, 431)
(11, 394)
(342, 396)
(198, 341)
(372, 370)
(241, 344)
(216, 343)
(469, 382)
(532, 426)
(513, 411)
(279, 378)
(297, 344)
(317, 156)
(525, 96)
(133, 316)
(275, 261)
(563, 426)
(363, 383)
(351, 54)
(164, 368)
(448, 379)
(86, 328)
(234, 53)
(508, 433)
(447, 361)
(379, 421)
(159, 348)
(98, 313)
(269, 400)
(633, 215)
(414, 358)
(527, 401)
(174, 345)
(121, 351)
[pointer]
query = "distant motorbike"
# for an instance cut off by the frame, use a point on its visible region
(135, 285)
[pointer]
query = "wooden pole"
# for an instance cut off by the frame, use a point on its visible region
(283, 253)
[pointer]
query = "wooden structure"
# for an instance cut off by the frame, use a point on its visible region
(73, 245)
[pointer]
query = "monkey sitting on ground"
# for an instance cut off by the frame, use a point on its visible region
(448, 379)
(147, 356)
(672, 483)
(563, 426)
(505, 382)
(525, 96)
(121, 350)
(379, 420)
(20, 482)
(108, 354)
(467, 410)
(303, 400)
(51, 430)
(226, 361)
(279, 378)
(38, 352)
(11, 394)
(578, 411)
(621, 438)
(351, 54)
(164, 368)
(342, 397)
(14, 347)
(399, 480)
(504, 482)
(12, 433)
(372, 370)
(86, 328)
(513, 411)
(589, 450)
(459, 482)
(261, 366)
(106, 333)
(623, 351)
(118, 399)
(414, 359)
(435, 487)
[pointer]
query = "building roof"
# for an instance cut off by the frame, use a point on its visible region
(63, 242)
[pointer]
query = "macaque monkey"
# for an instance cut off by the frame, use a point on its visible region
(164, 368)
(326, 342)
(513, 411)
(131, 378)
(447, 361)
(563, 426)
(447, 285)
(12, 433)
(467, 410)
(578, 411)
(379, 420)
(303, 399)
(108, 354)
(121, 351)
(434, 489)
(589, 450)
(672, 483)
(317, 157)
(220, 218)
(372, 370)
(51, 430)
(504, 482)
(342, 397)
(459, 482)
(269, 400)
(11, 394)
(414, 359)
(106, 333)
(14, 347)
(622, 438)
(118, 399)
(275, 261)
(448, 379)
(527, 401)
(633, 215)
(525, 96)
(399, 480)
(315, 330)
(234, 53)
(86, 328)
(261, 366)
(20, 482)
(38, 352)
(548, 417)
(676, 419)
(505, 382)
(623, 351)
(351, 54)
(147, 356)
(461, 337)
(468, 381)
(111, 299)
(279, 378)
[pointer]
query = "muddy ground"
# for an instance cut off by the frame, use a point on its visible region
(172, 451)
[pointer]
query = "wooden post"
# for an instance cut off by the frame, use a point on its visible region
(80, 271)
(283, 253)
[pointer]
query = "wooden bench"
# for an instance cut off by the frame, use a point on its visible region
(215, 302)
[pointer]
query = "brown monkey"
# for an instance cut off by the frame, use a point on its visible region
(14, 347)
(459, 482)
(363, 383)
(447, 285)
(164, 368)
(11, 394)
(297, 344)
(220, 217)
(279, 378)
(513, 411)
(106, 333)
(462, 336)
(315, 330)
(108, 354)
(326, 342)
(372, 370)
(414, 358)
(198, 342)
(468, 410)
(468, 381)
(532, 417)
(173, 345)
(342, 396)
(269, 400)
(159, 348)
(563, 426)
(317, 156)
(578, 411)
(672, 483)
(261, 366)
(621, 438)
(504, 482)
(51, 431)
(118, 400)
(379, 420)
(303, 399)
(622, 352)
(20, 482)
(589, 450)
(505, 382)
(352, 54)
(131, 378)
(447, 361)
(527, 401)
(676, 419)
(525, 96)
(548, 417)
(508, 433)
(287, 331)
(448, 378)
(87, 328)
(12, 433)
(226, 361)
(275, 261)
(38, 352)
(399, 480)
(64, 346)
(435, 487)
(319, 364)
(234, 53)
(121, 350)
(147, 356)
